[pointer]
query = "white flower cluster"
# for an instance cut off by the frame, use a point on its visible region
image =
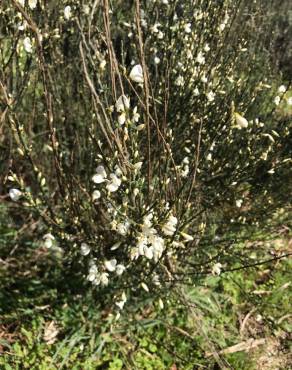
(100, 275)
(113, 181)
(149, 243)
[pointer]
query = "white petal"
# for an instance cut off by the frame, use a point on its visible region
(100, 175)
(49, 236)
(98, 179)
(112, 188)
(91, 277)
(187, 237)
(114, 184)
(67, 12)
(101, 171)
(136, 74)
(145, 287)
(115, 246)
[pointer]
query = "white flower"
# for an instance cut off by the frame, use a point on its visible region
(216, 269)
(204, 79)
(85, 249)
(210, 96)
(122, 103)
(141, 245)
(96, 195)
(136, 115)
(86, 9)
(138, 165)
(48, 240)
(282, 89)
(111, 265)
(136, 74)
(118, 171)
(187, 28)
(289, 101)
(104, 278)
(154, 28)
(185, 171)
(277, 100)
(160, 35)
(241, 122)
(206, 48)
(209, 157)
(27, 45)
(134, 253)
(238, 203)
(122, 118)
(102, 65)
(157, 244)
(222, 26)
(122, 302)
(67, 12)
(100, 175)
(200, 58)
(120, 269)
(196, 92)
(15, 194)
(114, 184)
(169, 227)
(179, 81)
(148, 252)
(156, 60)
(22, 26)
(93, 274)
(123, 228)
(32, 4)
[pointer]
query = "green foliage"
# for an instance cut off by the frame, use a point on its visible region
(160, 194)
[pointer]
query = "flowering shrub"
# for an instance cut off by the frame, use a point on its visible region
(142, 132)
